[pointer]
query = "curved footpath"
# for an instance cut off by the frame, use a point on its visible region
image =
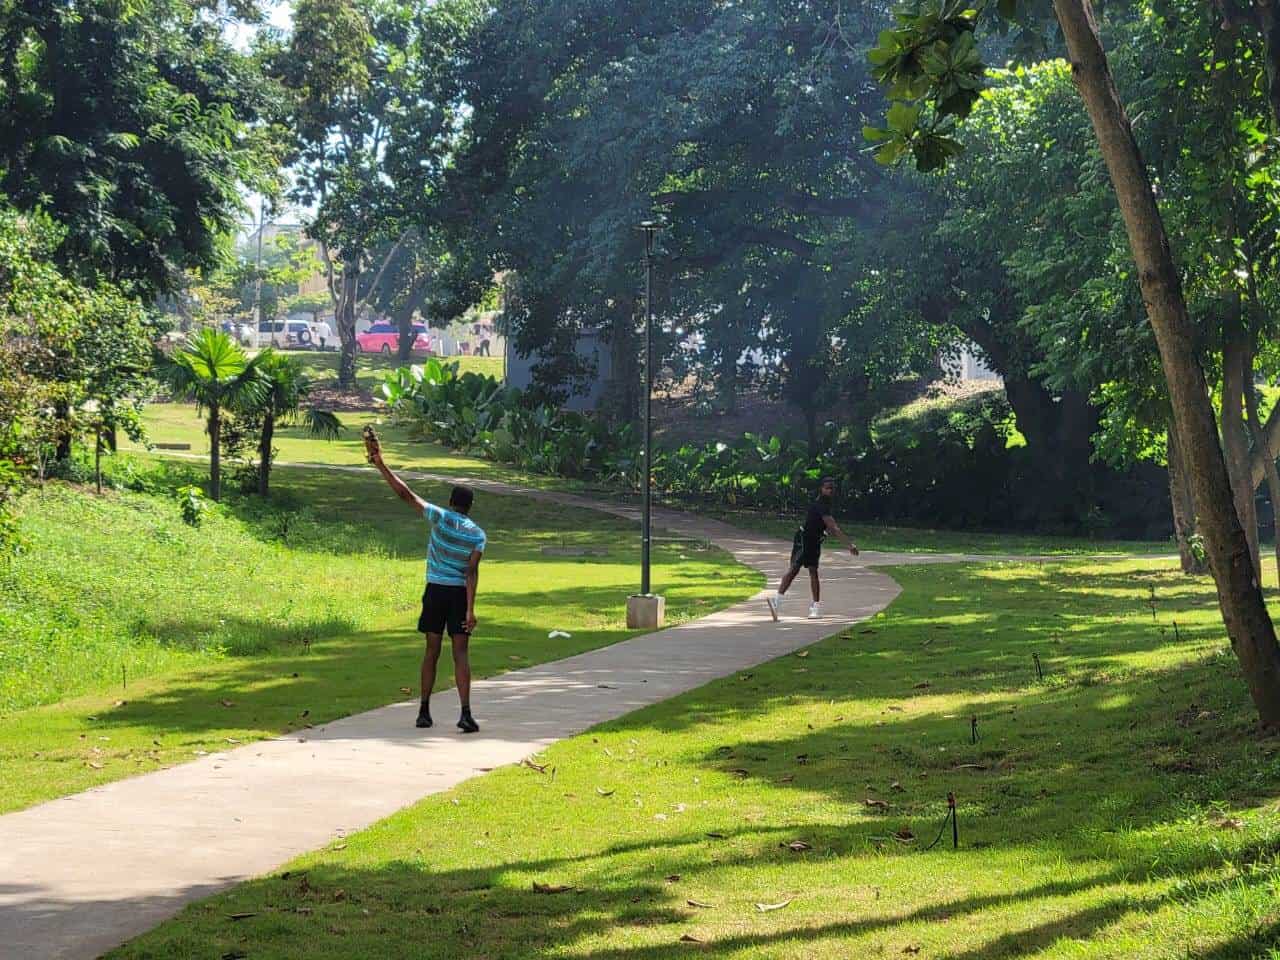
(83, 874)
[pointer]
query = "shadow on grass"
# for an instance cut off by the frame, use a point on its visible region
(406, 908)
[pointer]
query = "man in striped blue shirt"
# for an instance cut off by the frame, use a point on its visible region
(453, 571)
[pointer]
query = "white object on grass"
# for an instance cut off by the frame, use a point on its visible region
(558, 634)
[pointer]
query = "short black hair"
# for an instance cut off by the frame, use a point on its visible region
(825, 480)
(461, 498)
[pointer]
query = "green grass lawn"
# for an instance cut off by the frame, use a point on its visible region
(178, 423)
(323, 367)
(1122, 808)
(131, 641)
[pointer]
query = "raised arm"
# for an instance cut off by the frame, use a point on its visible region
(374, 450)
(834, 528)
(473, 581)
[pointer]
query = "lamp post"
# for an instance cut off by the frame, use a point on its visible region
(650, 228)
(646, 610)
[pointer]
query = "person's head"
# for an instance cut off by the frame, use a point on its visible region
(461, 499)
(827, 488)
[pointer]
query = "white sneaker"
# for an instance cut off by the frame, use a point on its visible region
(776, 602)
(815, 611)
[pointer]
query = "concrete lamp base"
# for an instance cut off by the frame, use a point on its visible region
(646, 612)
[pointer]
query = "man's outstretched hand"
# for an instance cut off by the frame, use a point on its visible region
(372, 448)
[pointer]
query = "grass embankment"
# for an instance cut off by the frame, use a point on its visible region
(131, 641)
(1120, 808)
(177, 423)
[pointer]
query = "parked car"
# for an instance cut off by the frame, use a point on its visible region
(295, 333)
(385, 338)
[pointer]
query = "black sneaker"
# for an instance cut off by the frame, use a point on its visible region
(467, 724)
(424, 718)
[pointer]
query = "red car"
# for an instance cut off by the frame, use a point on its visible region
(385, 338)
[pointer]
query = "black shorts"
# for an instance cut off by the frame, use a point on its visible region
(443, 606)
(805, 552)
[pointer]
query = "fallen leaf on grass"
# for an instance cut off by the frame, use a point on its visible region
(689, 938)
(338, 846)
(716, 836)
(787, 779)
(231, 739)
(559, 635)
(234, 955)
(406, 690)
(896, 786)
(673, 878)
(922, 685)
(551, 887)
(120, 703)
(698, 903)
(911, 949)
(227, 703)
(240, 916)
(604, 793)
(767, 907)
(803, 653)
(535, 767)
(904, 835)
(969, 766)
(876, 804)
(740, 772)
(799, 846)
(1229, 823)
(95, 764)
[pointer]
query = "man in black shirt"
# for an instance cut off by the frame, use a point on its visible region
(806, 550)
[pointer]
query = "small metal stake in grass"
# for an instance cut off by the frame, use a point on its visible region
(1176, 635)
(973, 729)
(1039, 669)
(124, 680)
(1153, 603)
(955, 826)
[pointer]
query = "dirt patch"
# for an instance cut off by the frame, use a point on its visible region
(332, 398)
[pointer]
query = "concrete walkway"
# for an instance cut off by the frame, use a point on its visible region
(83, 874)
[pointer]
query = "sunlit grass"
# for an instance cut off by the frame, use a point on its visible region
(1120, 807)
(122, 630)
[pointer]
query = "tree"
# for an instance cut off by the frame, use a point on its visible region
(371, 135)
(38, 312)
(214, 372)
(281, 401)
(931, 59)
(733, 121)
(135, 126)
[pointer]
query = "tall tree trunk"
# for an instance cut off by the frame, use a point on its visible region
(62, 414)
(1235, 358)
(215, 452)
(404, 325)
(1245, 614)
(1184, 511)
(345, 318)
(1269, 464)
(264, 453)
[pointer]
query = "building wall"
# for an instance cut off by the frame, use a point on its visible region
(592, 349)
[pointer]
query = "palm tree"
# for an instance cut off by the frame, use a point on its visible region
(287, 388)
(212, 370)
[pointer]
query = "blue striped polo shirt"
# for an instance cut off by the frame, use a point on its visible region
(453, 537)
